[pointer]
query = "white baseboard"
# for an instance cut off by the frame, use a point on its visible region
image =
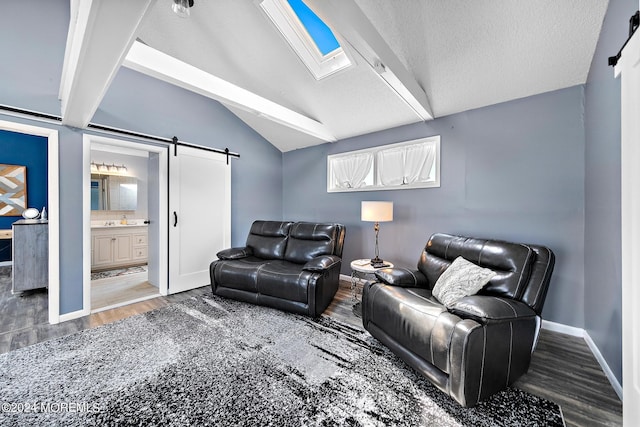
(122, 304)
(563, 329)
(579, 332)
(603, 364)
(73, 315)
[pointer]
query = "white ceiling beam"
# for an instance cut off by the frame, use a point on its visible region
(154, 63)
(345, 18)
(100, 35)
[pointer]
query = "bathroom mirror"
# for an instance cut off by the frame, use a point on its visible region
(114, 193)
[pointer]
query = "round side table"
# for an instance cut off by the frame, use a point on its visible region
(360, 269)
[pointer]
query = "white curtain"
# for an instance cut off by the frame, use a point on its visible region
(405, 165)
(418, 162)
(390, 166)
(351, 171)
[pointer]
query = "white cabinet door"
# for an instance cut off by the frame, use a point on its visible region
(122, 246)
(200, 215)
(102, 250)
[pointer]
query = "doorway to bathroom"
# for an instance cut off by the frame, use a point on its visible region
(125, 190)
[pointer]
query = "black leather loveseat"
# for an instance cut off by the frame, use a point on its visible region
(479, 344)
(290, 266)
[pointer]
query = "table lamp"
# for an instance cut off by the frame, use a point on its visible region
(377, 212)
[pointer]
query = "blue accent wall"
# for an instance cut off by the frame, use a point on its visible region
(511, 171)
(30, 151)
(603, 244)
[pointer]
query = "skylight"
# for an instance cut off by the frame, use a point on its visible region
(319, 31)
(310, 38)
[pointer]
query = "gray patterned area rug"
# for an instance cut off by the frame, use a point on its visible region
(119, 272)
(211, 361)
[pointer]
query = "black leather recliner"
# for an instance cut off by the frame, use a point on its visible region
(482, 343)
(290, 266)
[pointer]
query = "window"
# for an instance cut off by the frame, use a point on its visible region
(406, 165)
(310, 38)
(321, 35)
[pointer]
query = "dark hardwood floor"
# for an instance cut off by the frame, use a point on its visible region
(563, 369)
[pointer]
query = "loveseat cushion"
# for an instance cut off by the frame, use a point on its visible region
(240, 274)
(309, 240)
(283, 279)
(512, 262)
(276, 278)
(268, 239)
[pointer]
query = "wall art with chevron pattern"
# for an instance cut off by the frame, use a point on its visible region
(13, 190)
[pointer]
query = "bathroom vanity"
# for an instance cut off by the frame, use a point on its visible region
(118, 246)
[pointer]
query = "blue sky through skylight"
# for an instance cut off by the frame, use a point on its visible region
(318, 30)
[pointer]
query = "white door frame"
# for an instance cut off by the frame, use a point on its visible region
(629, 69)
(53, 192)
(87, 140)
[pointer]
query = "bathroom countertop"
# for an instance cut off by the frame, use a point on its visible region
(118, 225)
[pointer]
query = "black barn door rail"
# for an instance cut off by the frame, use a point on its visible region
(174, 140)
(634, 22)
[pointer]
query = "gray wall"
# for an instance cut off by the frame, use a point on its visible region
(33, 37)
(515, 171)
(603, 283)
(140, 103)
(32, 40)
(512, 171)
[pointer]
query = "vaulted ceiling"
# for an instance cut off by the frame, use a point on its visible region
(444, 57)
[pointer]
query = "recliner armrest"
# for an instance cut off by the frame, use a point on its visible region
(322, 263)
(489, 309)
(235, 253)
(402, 277)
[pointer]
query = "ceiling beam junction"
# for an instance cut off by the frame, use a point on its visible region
(346, 19)
(99, 37)
(152, 62)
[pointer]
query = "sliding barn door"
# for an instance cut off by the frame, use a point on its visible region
(629, 69)
(199, 215)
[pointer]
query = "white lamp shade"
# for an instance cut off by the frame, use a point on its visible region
(377, 211)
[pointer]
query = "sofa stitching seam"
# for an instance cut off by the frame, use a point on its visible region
(484, 354)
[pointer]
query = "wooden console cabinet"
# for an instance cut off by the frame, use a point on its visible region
(30, 255)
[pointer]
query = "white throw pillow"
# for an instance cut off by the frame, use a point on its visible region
(461, 279)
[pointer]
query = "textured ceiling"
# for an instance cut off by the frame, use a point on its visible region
(469, 54)
(464, 54)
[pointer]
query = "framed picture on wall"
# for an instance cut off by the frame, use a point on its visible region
(13, 190)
